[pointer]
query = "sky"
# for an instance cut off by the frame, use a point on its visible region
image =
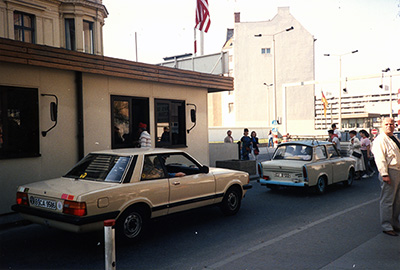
(165, 28)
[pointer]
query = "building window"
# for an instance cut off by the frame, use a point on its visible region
(127, 113)
(70, 34)
(24, 27)
(265, 50)
(88, 39)
(19, 122)
(170, 123)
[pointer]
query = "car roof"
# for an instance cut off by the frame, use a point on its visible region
(136, 151)
(307, 143)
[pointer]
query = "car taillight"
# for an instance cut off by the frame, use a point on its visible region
(22, 198)
(266, 177)
(74, 208)
(305, 173)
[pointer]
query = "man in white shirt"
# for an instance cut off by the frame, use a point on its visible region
(144, 139)
(386, 150)
(334, 139)
(336, 132)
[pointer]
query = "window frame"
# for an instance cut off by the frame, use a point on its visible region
(23, 27)
(70, 34)
(26, 120)
(181, 124)
(88, 48)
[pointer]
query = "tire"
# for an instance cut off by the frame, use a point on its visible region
(230, 205)
(132, 224)
(320, 188)
(350, 179)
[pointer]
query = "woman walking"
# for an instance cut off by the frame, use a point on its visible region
(355, 153)
(366, 152)
(254, 145)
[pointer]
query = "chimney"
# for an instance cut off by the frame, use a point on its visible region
(237, 17)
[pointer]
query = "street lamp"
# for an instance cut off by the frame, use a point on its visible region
(274, 65)
(390, 87)
(340, 82)
(268, 86)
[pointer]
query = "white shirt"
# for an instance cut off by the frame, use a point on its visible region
(336, 141)
(338, 133)
(145, 139)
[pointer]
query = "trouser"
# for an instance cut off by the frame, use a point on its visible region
(390, 201)
(368, 168)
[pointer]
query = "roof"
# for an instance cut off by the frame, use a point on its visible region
(136, 151)
(307, 142)
(24, 53)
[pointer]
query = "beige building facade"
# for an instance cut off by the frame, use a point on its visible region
(71, 24)
(265, 56)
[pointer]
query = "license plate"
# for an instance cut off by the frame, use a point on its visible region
(284, 175)
(48, 204)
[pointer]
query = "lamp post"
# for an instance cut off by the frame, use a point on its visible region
(390, 89)
(274, 65)
(268, 86)
(340, 82)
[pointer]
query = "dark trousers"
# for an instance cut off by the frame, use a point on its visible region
(368, 168)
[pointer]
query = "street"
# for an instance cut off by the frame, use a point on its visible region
(288, 229)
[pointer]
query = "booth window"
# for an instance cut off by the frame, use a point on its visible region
(170, 123)
(126, 114)
(24, 27)
(19, 122)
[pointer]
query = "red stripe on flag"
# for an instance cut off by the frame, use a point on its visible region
(203, 20)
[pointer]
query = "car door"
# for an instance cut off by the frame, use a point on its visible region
(320, 166)
(195, 189)
(339, 167)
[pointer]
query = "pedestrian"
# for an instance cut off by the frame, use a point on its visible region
(355, 153)
(246, 144)
(144, 138)
(334, 139)
(336, 132)
(228, 138)
(255, 151)
(366, 151)
(386, 150)
(270, 139)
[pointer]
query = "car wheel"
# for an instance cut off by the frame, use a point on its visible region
(232, 200)
(350, 179)
(320, 188)
(132, 224)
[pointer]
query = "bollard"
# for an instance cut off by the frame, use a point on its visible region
(109, 244)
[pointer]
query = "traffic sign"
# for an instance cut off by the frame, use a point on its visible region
(274, 130)
(274, 122)
(374, 131)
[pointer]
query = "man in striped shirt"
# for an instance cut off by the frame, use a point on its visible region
(144, 139)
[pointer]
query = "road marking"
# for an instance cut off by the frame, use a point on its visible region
(284, 236)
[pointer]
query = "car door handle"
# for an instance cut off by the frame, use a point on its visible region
(176, 183)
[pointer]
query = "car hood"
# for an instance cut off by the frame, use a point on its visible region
(65, 188)
(283, 165)
(217, 171)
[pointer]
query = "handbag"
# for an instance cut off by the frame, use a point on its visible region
(357, 155)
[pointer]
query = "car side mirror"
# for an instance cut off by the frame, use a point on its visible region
(205, 169)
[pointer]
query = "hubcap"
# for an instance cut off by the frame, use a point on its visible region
(132, 225)
(232, 200)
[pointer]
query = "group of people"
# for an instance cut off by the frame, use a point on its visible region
(249, 144)
(360, 151)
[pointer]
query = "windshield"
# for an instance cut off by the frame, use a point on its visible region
(100, 167)
(293, 152)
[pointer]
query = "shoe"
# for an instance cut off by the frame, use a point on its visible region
(365, 176)
(391, 233)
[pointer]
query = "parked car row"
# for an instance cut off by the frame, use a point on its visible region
(133, 186)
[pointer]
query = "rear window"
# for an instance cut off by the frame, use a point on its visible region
(293, 152)
(99, 167)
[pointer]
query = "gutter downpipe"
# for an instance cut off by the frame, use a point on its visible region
(79, 100)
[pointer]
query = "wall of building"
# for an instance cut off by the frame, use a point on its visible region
(294, 62)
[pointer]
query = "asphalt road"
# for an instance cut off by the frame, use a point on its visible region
(288, 229)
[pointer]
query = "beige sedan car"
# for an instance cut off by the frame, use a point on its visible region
(315, 164)
(131, 186)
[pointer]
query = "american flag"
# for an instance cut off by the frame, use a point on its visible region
(202, 16)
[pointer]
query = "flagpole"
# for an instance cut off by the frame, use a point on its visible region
(195, 42)
(201, 43)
